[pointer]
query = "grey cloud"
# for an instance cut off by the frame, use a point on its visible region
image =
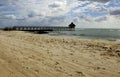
(7, 22)
(115, 12)
(80, 17)
(8, 17)
(54, 5)
(100, 19)
(33, 14)
(56, 20)
(103, 1)
(4, 1)
(1, 5)
(85, 17)
(46, 21)
(76, 19)
(98, 9)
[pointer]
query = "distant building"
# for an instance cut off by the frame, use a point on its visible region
(72, 25)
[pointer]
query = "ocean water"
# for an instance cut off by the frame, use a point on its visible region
(109, 34)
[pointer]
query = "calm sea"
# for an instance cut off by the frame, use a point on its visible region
(109, 34)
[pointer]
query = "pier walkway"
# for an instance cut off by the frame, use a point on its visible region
(42, 28)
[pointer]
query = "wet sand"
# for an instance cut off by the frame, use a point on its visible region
(25, 54)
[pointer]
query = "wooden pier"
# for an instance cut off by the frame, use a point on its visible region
(42, 28)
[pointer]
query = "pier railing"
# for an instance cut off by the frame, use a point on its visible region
(39, 28)
(42, 28)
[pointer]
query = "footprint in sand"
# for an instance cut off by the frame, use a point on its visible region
(9, 61)
(26, 67)
(59, 68)
(98, 68)
(81, 74)
(57, 63)
(36, 70)
(74, 61)
(118, 72)
(32, 57)
(71, 54)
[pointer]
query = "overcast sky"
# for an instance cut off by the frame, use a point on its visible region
(84, 13)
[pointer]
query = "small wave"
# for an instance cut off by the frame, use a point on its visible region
(118, 40)
(111, 30)
(82, 35)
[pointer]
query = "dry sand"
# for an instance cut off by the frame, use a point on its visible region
(31, 55)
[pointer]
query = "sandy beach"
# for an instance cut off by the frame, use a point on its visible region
(24, 54)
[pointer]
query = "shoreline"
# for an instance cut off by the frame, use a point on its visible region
(86, 37)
